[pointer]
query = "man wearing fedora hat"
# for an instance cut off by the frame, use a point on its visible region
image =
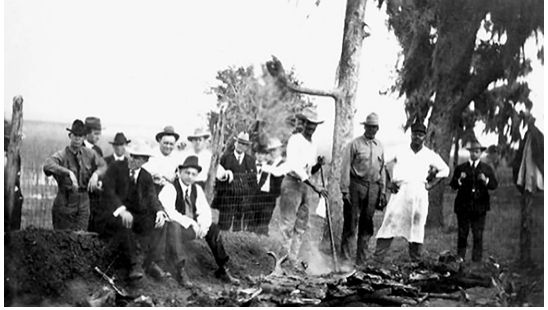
(199, 148)
(417, 169)
(132, 217)
(362, 184)
(164, 163)
(77, 170)
(472, 180)
(119, 148)
(93, 134)
(295, 200)
(190, 218)
(235, 185)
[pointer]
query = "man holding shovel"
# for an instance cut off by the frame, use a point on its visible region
(301, 163)
(362, 184)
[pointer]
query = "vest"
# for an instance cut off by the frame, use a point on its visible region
(180, 200)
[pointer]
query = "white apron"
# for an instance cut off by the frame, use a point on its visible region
(406, 212)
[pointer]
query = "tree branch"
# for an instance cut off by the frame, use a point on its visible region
(276, 70)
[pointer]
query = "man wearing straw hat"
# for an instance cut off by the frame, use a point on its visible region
(362, 184)
(295, 200)
(77, 170)
(119, 147)
(236, 182)
(199, 148)
(133, 217)
(473, 180)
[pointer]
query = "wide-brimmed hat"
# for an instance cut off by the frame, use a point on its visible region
(475, 145)
(243, 138)
(274, 143)
(191, 162)
(168, 131)
(93, 122)
(371, 119)
(78, 128)
(199, 133)
(120, 139)
(140, 148)
(311, 115)
(418, 127)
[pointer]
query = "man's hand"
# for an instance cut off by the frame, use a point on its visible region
(482, 177)
(230, 176)
(462, 176)
(93, 182)
(321, 191)
(320, 160)
(74, 180)
(127, 219)
(393, 187)
(200, 232)
(382, 201)
(161, 218)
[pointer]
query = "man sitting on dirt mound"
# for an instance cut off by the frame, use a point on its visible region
(133, 217)
(190, 218)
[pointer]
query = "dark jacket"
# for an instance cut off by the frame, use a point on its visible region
(118, 190)
(110, 159)
(245, 175)
(473, 194)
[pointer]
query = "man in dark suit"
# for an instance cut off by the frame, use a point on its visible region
(236, 184)
(270, 176)
(119, 146)
(473, 180)
(133, 217)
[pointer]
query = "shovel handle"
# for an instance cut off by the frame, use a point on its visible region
(331, 239)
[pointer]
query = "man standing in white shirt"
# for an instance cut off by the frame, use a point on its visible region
(417, 169)
(190, 218)
(199, 149)
(163, 165)
(301, 163)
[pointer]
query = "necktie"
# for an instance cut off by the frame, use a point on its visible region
(240, 157)
(132, 176)
(188, 204)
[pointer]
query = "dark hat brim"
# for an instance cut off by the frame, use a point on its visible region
(206, 135)
(120, 143)
(78, 133)
(191, 166)
(162, 134)
(481, 148)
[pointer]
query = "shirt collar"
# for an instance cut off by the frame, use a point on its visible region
(474, 163)
(374, 141)
(184, 187)
(120, 158)
(88, 145)
(238, 155)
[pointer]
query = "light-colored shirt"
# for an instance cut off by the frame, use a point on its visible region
(204, 160)
(164, 166)
(88, 144)
(168, 197)
(301, 156)
(363, 159)
(411, 167)
(118, 158)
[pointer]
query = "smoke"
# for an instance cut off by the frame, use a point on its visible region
(318, 262)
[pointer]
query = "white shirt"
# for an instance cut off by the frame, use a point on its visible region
(88, 144)
(239, 156)
(168, 197)
(204, 160)
(413, 167)
(164, 166)
(118, 158)
(301, 156)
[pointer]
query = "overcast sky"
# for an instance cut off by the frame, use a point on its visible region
(149, 63)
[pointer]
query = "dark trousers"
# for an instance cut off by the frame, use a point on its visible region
(383, 245)
(70, 210)
(142, 244)
(177, 235)
(476, 222)
(358, 219)
(94, 211)
(231, 211)
(263, 207)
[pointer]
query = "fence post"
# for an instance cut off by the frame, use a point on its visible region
(12, 166)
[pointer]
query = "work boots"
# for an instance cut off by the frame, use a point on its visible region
(224, 275)
(156, 272)
(182, 277)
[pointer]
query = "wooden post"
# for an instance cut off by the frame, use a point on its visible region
(12, 167)
(525, 239)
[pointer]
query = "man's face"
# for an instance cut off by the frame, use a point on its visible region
(135, 161)
(371, 131)
(309, 129)
(417, 138)
(188, 175)
(262, 157)
(93, 136)
(240, 147)
(475, 154)
(119, 149)
(76, 141)
(198, 144)
(167, 143)
(275, 153)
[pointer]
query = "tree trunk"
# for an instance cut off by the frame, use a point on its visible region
(349, 65)
(525, 239)
(439, 139)
(12, 167)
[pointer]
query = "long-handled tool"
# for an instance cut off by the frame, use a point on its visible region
(328, 215)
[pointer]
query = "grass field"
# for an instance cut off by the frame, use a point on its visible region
(502, 231)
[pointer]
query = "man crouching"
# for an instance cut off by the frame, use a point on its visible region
(133, 217)
(190, 218)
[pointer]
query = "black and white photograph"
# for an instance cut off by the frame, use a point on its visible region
(273, 153)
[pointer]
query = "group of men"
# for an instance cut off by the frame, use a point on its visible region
(143, 208)
(149, 202)
(417, 169)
